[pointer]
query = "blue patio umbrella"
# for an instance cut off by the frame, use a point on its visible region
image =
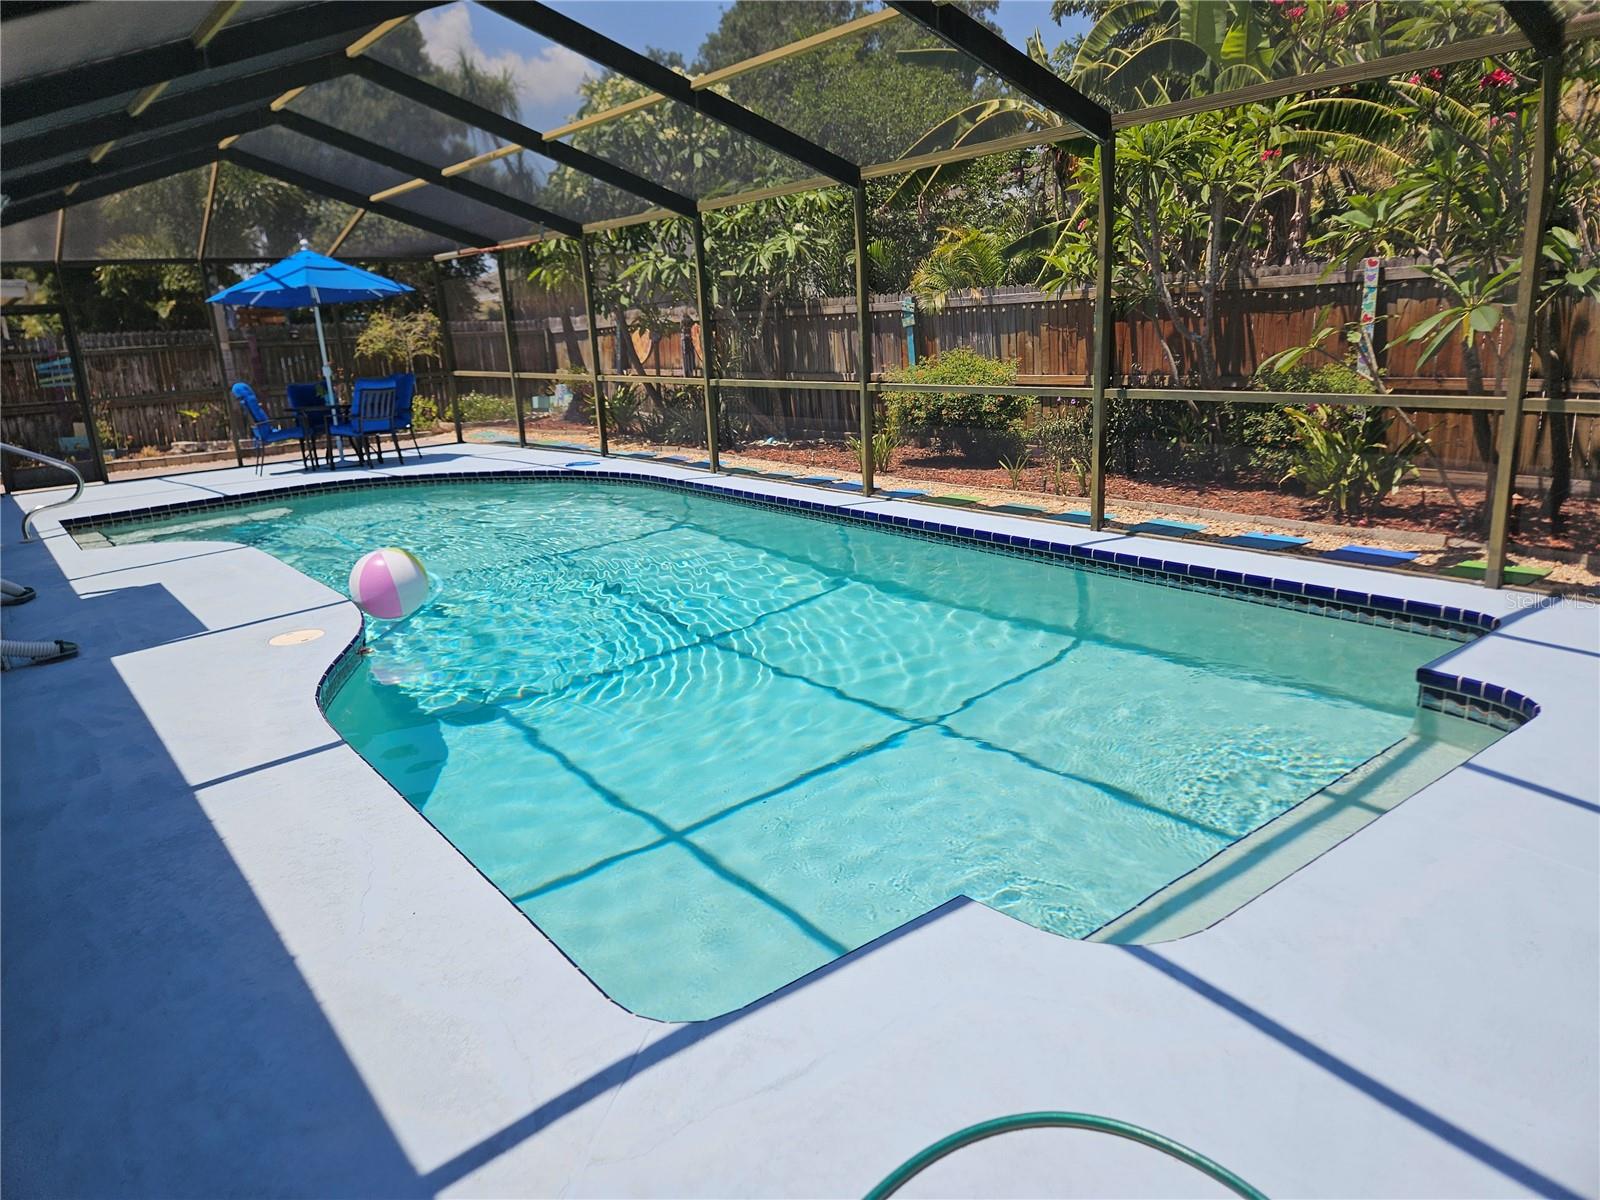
(307, 279)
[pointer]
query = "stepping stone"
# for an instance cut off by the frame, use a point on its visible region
(563, 446)
(817, 479)
(1376, 556)
(701, 462)
(677, 458)
(846, 487)
(1168, 528)
(741, 471)
(637, 454)
(904, 494)
(1255, 540)
(956, 501)
(583, 462)
(1078, 518)
(1026, 510)
(1514, 574)
(778, 475)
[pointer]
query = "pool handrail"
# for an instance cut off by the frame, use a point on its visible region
(30, 514)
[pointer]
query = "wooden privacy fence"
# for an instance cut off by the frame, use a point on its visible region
(1048, 337)
(155, 388)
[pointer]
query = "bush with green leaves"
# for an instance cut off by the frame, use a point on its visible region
(1335, 459)
(1273, 437)
(884, 443)
(973, 426)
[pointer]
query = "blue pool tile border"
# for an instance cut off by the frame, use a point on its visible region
(1458, 696)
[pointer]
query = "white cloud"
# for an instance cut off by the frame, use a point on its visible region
(546, 80)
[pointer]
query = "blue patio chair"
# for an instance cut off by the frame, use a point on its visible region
(311, 411)
(372, 412)
(405, 392)
(262, 429)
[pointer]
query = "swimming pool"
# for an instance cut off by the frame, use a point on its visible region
(708, 746)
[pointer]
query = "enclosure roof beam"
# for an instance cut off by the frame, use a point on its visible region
(339, 139)
(520, 135)
(106, 185)
(1389, 67)
(334, 191)
(732, 70)
(1035, 81)
(1539, 22)
(22, 185)
(579, 38)
(229, 94)
(285, 30)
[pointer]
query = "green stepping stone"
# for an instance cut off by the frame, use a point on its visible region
(1475, 568)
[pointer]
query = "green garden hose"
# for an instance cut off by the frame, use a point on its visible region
(1060, 1120)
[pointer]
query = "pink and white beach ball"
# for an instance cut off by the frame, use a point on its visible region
(390, 583)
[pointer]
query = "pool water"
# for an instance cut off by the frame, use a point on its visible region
(708, 747)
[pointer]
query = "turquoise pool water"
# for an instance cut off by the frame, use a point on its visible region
(709, 747)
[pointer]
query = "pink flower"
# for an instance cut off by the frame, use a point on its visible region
(1295, 13)
(1435, 75)
(1341, 10)
(1083, 223)
(1415, 79)
(1499, 77)
(1269, 155)
(1493, 121)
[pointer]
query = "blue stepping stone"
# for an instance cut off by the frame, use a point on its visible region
(1377, 556)
(583, 462)
(1255, 540)
(1169, 528)
(637, 454)
(817, 479)
(677, 458)
(701, 462)
(777, 475)
(1026, 510)
(905, 493)
(1078, 518)
(846, 487)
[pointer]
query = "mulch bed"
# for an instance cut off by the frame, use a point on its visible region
(1419, 507)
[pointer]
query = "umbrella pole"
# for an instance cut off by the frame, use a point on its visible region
(322, 344)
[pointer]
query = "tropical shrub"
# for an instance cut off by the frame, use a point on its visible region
(1334, 458)
(973, 426)
(1273, 437)
(884, 443)
(677, 416)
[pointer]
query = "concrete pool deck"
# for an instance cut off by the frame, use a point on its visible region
(238, 963)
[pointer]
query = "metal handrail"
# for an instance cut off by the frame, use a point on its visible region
(27, 517)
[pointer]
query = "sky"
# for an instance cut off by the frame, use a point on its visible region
(548, 75)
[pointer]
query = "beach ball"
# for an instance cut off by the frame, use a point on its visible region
(390, 583)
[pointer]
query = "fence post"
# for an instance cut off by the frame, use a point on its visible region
(702, 302)
(864, 332)
(80, 375)
(1533, 223)
(441, 309)
(215, 318)
(594, 341)
(1104, 334)
(511, 347)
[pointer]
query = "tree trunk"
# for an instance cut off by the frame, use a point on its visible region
(1482, 429)
(1554, 368)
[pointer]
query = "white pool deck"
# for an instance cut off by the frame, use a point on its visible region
(238, 963)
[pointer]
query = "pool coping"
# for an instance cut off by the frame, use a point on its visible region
(1241, 952)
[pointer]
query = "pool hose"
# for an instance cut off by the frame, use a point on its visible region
(924, 1159)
